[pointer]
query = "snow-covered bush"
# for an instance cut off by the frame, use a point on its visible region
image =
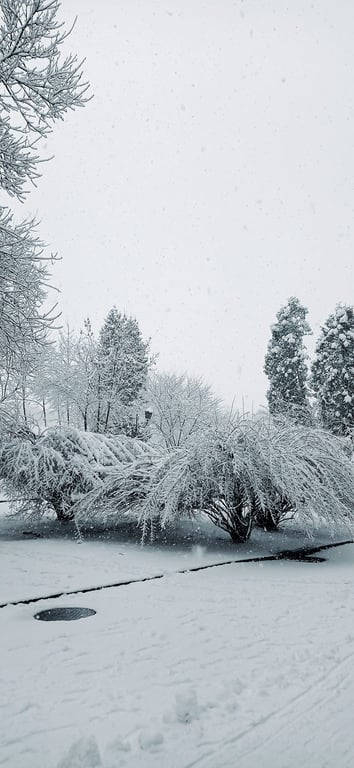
(248, 472)
(306, 471)
(159, 487)
(60, 466)
(253, 472)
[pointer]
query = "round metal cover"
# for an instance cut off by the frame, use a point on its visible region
(64, 614)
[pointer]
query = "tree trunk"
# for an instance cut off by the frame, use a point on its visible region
(58, 411)
(235, 519)
(24, 404)
(44, 413)
(62, 509)
(107, 416)
(240, 526)
(98, 420)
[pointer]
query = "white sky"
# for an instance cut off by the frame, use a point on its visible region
(210, 178)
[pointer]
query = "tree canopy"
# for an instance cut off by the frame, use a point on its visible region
(38, 85)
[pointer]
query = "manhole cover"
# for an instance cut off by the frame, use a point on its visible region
(64, 614)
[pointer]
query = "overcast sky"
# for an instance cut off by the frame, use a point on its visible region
(210, 178)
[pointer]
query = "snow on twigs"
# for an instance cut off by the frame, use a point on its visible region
(61, 465)
(250, 472)
(239, 474)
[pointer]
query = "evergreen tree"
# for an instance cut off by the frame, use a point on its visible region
(285, 362)
(333, 371)
(122, 366)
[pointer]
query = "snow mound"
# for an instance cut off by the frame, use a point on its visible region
(83, 753)
(114, 752)
(187, 708)
(150, 739)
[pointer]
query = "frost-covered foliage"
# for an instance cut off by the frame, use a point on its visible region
(254, 472)
(61, 465)
(285, 362)
(10, 424)
(182, 408)
(333, 371)
(10, 381)
(250, 472)
(306, 471)
(37, 87)
(23, 326)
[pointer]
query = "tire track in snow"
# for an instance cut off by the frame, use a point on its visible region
(302, 554)
(263, 731)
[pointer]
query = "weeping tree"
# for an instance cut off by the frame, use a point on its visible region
(52, 471)
(256, 472)
(248, 473)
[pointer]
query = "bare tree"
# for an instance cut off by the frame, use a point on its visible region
(23, 278)
(38, 85)
(68, 381)
(182, 408)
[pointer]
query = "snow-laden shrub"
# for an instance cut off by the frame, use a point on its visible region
(57, 468)
(253, 472)
(303, 470)
(157, 487)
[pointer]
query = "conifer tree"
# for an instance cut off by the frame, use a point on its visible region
(122, 366)
(285, 362)
(333, 371)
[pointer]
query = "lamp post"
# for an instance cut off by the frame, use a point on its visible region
(148, 415)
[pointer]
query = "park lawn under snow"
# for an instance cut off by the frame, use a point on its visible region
(241, 665)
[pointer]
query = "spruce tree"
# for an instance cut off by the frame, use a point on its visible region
(122, 366)
(333, 371)
(285, 362)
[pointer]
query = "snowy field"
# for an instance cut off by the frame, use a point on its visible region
(243, 665)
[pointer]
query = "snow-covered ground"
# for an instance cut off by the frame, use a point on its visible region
(238, 666)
